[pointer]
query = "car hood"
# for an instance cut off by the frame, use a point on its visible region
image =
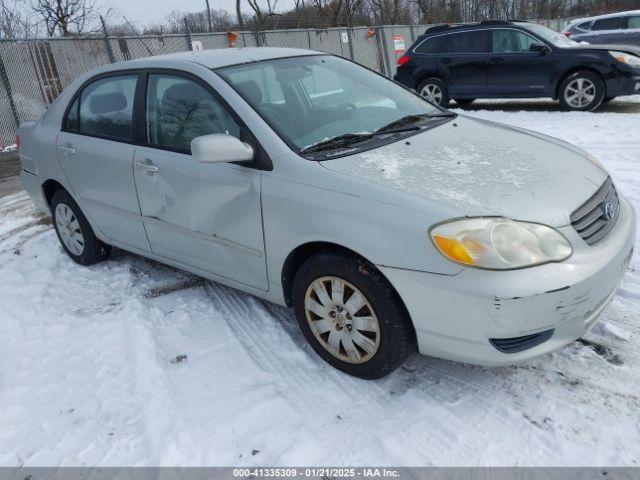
(618, 48)
(474, 167)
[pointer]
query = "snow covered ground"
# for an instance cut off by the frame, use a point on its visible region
(91, 373)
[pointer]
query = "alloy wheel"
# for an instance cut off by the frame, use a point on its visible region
(69, 229)
(580, 93)
(342, 319)
(432, 92)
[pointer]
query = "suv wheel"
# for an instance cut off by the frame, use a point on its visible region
(434, 90)
(582, 91)
(351, 316)
(74, 232)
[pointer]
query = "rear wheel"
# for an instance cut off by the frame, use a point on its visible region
(74, 232)
(581, 91)
(434, 90)
(351, 316)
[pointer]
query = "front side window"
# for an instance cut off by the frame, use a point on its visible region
(512, 41)
(613, 23)
(106, 108)
(71, 123)
(634, 23)
(323, 97)
(179, 110)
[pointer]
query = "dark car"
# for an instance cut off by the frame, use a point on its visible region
(499, 59)
(620, 28)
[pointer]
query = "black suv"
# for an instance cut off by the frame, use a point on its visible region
(500, 59)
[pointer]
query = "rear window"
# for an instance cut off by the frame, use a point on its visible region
(614, 23)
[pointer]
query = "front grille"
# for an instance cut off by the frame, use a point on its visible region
(598, 215)
(520, 344)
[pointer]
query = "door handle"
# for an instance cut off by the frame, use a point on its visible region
(496, 61)
(146, 167)
(67, 149)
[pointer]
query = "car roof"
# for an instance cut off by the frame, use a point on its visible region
(222, 57)
(608, 15)
(475, 26)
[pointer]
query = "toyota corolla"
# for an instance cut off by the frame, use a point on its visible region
(389, 224)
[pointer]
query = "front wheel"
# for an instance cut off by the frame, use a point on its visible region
(434, 90)
(582, 91)
(351, 316)
(74, 232)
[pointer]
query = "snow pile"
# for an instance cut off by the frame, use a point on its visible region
(9, 148)
(92, 367)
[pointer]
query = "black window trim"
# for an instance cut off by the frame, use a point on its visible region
(523, 30)
(139, 128)
(487, 43)
(77, 96)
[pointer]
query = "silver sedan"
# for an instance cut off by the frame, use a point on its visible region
(389, 225)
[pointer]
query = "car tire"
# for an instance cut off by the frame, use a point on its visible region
(434, 90)
(333, 324)
(608, 99)
(581, 91)
(464, 102)
(74, 232)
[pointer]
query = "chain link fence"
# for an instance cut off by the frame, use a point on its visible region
(34, 72)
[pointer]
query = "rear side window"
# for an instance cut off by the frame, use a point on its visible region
(634, 22)
(585, 26)
(463, 42)
(179, 110)
(512, 41)
(614, 23)
(431, 45)
(466, 42)
(106, 108)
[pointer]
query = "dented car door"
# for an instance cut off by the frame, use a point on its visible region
(205, 215)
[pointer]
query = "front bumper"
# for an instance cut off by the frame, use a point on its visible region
(628, 84)
(456, 316)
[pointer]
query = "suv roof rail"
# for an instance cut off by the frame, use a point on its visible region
(446, 26)
(495, 22)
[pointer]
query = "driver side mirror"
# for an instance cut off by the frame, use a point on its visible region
(539, 47)
(219, 147)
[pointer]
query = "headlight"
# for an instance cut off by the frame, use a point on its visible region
(500, 244)
(622, 57)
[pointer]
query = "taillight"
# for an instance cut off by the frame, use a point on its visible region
(17, 142)
(403, 60)
(566, 34)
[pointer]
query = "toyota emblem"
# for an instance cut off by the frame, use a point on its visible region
(610, 210)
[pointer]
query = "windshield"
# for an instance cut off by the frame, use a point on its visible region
(318, 99)
(555, 38)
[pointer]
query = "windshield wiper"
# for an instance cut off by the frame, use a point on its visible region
(408, 122)
(336, 142)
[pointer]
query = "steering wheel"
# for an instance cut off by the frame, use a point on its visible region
(343, 111)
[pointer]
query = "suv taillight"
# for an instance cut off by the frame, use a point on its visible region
(403, 60)
(566, 34)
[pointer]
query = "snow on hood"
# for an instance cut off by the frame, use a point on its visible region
(475, 167)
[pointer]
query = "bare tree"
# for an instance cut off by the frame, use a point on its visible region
(13, 22)
(239, 14)
(263, 11)
(67, 17)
